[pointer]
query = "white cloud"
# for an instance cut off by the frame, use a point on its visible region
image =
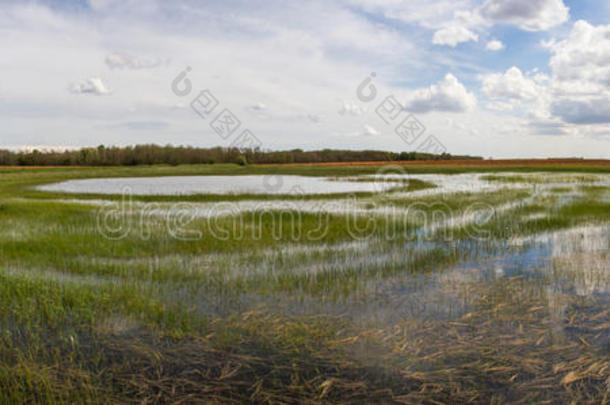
(298, 58)
(453, 35)
(583, 57)
(581, 75)
(494, 45)
(511, 85)
(93, 85)
(119, 60)
(430, 14)
(301, 57)
(348, 108)
(371, 131)
(447, 95)
(500, 106)
(530, 15)
(468, 18)
(540, 78)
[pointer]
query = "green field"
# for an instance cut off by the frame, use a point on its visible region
(487, 296)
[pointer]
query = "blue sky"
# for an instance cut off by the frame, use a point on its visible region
(501, 78)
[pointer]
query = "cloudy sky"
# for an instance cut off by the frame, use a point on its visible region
(501, 78)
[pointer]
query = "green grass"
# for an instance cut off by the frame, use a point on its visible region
(543, 178)
(589, 208)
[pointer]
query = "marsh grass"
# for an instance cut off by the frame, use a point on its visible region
(273, 319)
(543, 178)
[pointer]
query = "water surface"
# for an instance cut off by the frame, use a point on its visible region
(188, 185)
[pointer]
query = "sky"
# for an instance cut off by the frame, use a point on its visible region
(493, 78)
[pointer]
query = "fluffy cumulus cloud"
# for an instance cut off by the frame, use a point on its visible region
(511, 85)
(448, 95)
(575, 94)
(531, 15)
(583, 58)
(453, 35)
(93, 85)
(581, 75)
(494, 45)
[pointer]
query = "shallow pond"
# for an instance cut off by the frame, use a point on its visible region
(300, 185)
(185, 185)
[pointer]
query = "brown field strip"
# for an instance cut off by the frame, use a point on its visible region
(463, 163)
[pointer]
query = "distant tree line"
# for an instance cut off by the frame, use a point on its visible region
(175, 155)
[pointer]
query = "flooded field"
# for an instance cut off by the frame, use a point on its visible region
(430, 288)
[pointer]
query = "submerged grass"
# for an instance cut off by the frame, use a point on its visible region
(588, 208)
(266, 317)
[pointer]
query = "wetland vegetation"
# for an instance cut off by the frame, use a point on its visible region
(451, 286)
